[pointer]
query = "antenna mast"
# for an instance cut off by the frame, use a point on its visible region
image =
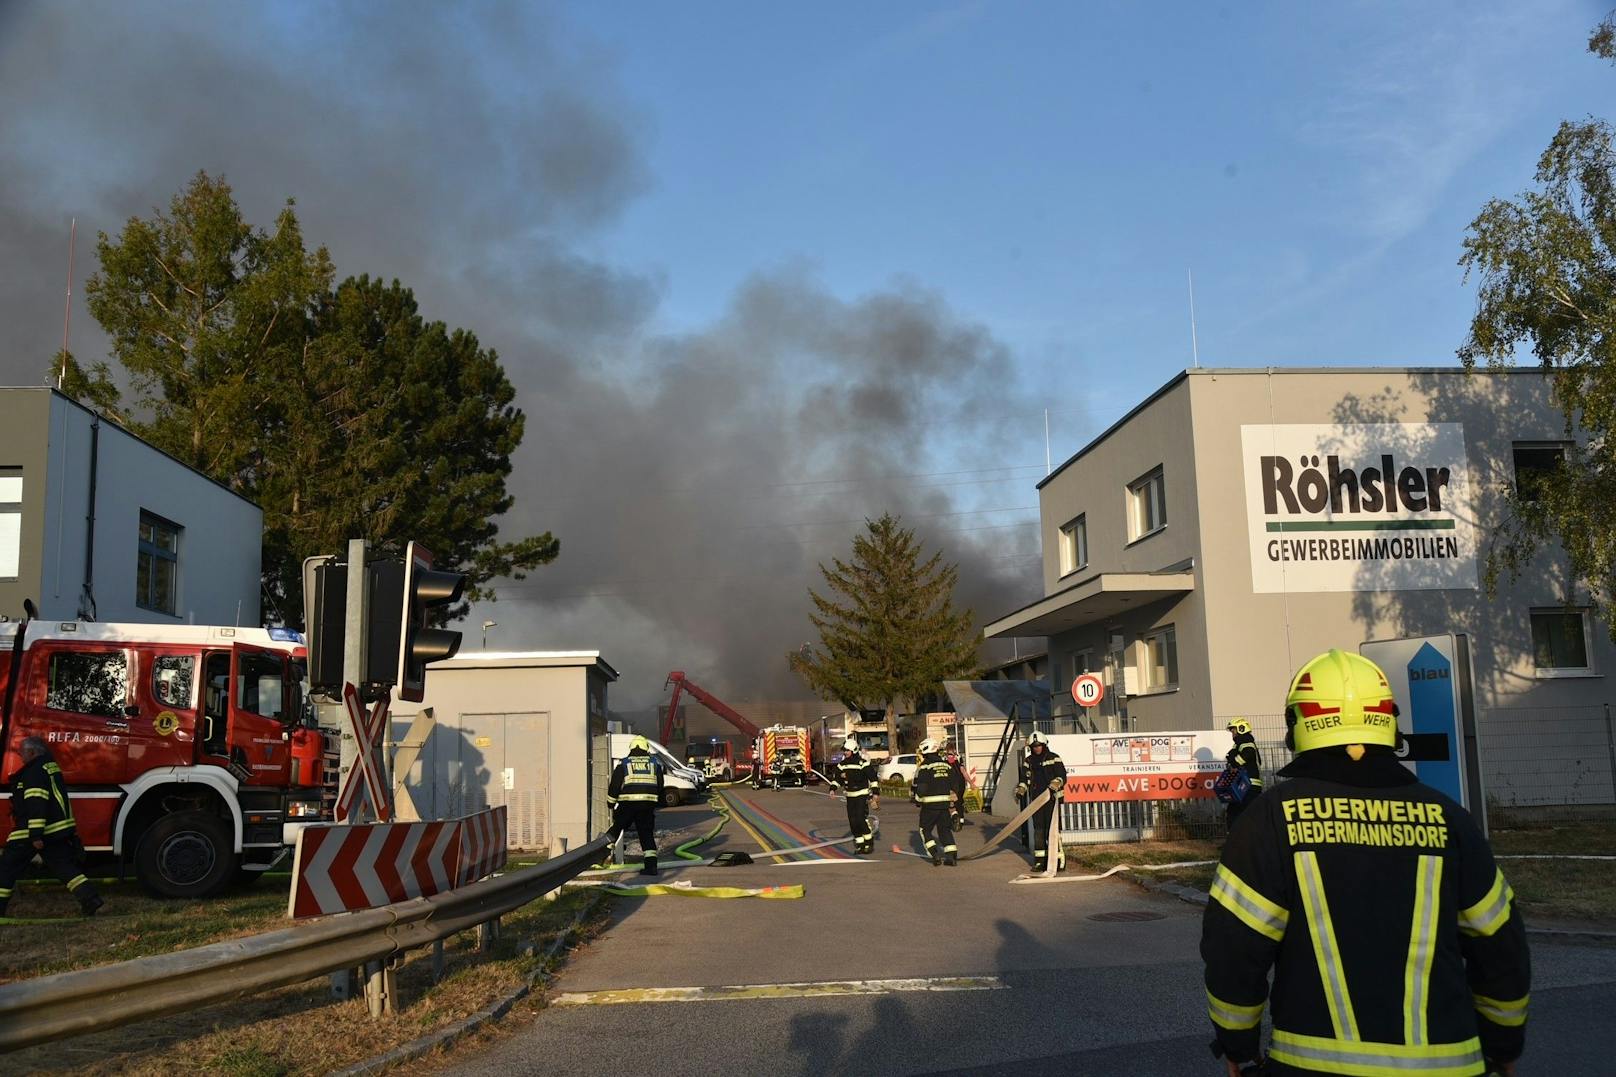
(1195, 346)
(67, 313)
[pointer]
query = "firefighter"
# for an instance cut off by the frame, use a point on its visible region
(934, 792)
(42, 818)
(633, 794)
(1246, 756)
(1042, 769)
(1393, 938)
(957, 815)
(855, 777)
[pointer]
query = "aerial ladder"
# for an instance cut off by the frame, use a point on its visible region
(681, 683)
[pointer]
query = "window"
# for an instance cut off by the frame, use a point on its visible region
(1159, 651)
(88, 682)
(1147, 505)
(260, 684)
(10, 521)
(173, 677)
(1074, 546)
(1535, 461)
(1560, 642)
(158, 568)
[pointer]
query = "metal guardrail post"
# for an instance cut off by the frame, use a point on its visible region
(91, 1000)
(437, 962)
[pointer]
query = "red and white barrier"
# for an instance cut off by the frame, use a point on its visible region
(344, 868)
(482, 845)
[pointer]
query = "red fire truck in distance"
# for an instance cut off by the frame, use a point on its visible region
(185, 749)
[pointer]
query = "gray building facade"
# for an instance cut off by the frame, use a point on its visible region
(96, 524)
(1238, 522)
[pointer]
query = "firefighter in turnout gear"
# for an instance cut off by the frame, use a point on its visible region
(1244, 755)
(42, 818)
(957, 815)
(855, 776)
(1392, 936)
(633, 794)
(1042, 769)
(934, 792)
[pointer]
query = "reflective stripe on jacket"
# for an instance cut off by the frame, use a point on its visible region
(637, 779)
(856, 776)
(40, 806)
(1391, 933)
(934, 781)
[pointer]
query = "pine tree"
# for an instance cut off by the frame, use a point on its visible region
(889, 632)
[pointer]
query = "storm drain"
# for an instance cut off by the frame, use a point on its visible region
(1126, 916)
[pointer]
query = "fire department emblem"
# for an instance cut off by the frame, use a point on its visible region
(166, 722)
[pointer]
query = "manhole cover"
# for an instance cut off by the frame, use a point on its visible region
(1127, 916)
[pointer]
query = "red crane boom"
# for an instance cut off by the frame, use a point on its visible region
(681, 683)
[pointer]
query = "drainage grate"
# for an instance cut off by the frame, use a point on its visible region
(1127, 916)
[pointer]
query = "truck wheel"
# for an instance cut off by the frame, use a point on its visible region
(672, 798)
(186, 855)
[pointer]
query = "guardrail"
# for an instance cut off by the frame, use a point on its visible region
(92, 1000)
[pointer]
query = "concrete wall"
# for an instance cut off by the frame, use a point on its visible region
(220, 542)
(1257, 640)
(1095, 484)
(565, 691)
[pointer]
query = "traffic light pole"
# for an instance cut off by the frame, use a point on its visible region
(355, 641)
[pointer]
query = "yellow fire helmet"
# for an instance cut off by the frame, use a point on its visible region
(1239, 726)
(639, 744)
(1340, 698)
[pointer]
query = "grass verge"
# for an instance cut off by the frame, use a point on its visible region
(269, 1034)
(1093, 859)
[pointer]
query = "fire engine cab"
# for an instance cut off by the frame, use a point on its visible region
(185, 749)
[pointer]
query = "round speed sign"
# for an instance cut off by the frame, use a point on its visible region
(1088, 690)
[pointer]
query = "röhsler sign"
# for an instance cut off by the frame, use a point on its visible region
(1370, 507)
(1141, 766)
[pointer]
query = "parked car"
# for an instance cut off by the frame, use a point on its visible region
(899, 768)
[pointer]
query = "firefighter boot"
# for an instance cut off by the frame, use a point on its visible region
(649, 867)
(90, 903)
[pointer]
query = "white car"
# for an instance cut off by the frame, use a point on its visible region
(901, 766)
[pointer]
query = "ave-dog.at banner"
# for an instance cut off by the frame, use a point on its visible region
(1141, 766)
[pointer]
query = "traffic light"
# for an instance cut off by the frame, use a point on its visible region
(401, 645)
(325, 593)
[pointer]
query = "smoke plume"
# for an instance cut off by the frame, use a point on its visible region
(481, 155)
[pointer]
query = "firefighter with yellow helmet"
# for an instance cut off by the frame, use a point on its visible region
(1393, 938)
(633, 794)
(1247, 759)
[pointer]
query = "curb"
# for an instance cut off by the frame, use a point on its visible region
(444, 1036)
(1182, 893)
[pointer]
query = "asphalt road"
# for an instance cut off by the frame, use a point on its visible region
(1054, 988)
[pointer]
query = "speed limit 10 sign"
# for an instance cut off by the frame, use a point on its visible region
(1088, 690)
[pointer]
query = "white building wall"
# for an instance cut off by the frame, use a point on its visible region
(220, 546)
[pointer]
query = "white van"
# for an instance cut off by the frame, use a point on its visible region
(679, 781)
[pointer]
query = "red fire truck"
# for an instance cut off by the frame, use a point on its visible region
(185, 749)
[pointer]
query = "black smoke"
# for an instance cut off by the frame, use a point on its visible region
(481, 153)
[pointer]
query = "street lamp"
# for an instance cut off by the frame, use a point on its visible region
(486, 626)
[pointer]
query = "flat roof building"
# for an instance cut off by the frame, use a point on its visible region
(1238, 522)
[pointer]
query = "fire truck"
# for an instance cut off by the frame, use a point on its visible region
(783, 757)
(188, 751)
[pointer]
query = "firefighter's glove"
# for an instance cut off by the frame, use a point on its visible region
(1055, 785)
(1021, 790)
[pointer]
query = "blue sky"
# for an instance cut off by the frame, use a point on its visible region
(1055, 169)
(761, 271)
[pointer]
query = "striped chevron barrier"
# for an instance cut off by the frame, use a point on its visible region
(344, 868)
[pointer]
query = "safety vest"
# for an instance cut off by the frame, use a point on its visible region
(1356, 884)
(637, 780)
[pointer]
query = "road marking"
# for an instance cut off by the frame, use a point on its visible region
(754, 991)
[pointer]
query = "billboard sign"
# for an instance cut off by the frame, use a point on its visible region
(1358, 507)
(1141, 766)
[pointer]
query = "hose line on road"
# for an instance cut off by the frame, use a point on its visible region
(682, 850)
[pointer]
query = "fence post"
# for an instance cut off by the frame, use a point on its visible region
(1610, 747)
